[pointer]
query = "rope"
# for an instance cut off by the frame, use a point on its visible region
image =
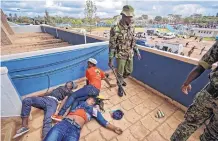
(48, 84)
(51, 64)
(41, 74)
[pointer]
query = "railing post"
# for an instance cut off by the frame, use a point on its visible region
(10, 99)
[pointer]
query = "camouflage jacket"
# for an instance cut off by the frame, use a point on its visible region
(122, 42)
(208, 60)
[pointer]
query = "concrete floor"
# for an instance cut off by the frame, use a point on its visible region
(139, 122)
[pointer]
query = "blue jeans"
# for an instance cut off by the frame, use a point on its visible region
(63, 131)
(83, 93)
(77, 102)
(48, 105)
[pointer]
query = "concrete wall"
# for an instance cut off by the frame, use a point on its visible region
(29, 71)
(26, 28)
(5, 36)
(70, 36)
(9, 96)
(166, 72)
(5, 23)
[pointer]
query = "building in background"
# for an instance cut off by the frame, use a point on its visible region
(204, 32)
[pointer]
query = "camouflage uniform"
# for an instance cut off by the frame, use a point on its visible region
(205, 105)
(122, 45)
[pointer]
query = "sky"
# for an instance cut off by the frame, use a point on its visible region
(109, 8)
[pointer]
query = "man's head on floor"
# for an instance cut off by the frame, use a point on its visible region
(91, 101)
(92, 62)
(71, 85)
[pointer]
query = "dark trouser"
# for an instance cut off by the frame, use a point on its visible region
(63, 131)
(47, 104)
(87, 90)
(204, 107)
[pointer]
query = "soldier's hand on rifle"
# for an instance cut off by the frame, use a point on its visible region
(186, 88)
(110, 64)
(113, 85)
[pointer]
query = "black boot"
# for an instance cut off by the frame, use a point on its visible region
(120, 92)
(124, 84)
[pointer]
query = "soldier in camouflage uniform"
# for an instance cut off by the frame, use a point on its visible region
(122, 45)
(205, 105)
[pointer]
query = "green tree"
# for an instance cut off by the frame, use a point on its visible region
(15, 17)
(79, 22)
(109, 21)
(187, 20)
(165, 20)
(90, 14)
(25, 19)
(158, 18)
(47, 17)
(97, 19)
(150, 21)
(10, 17)
(145, 17)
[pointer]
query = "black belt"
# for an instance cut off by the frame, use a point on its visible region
(73, 122)
(212, 90)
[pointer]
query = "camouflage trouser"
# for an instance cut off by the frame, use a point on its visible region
(124, 68)
(203, 108)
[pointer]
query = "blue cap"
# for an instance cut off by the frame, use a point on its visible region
(117, 115)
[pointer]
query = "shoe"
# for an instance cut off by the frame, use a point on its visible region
(57, 118)
(107, 75)
(21, 131)
(124, 84)
(120, 92)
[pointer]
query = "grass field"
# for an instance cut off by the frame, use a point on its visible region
(209, 39)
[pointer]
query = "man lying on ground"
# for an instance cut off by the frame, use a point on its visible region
(69, 128)
(94, 76)
(48, 103)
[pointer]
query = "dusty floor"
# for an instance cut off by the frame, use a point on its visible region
(26, 42)
(192, 42)
(139, 122)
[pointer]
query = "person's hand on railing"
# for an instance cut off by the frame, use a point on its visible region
(110, 64)
(139, 56)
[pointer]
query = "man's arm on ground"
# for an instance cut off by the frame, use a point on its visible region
(105, 123)
(114, 128)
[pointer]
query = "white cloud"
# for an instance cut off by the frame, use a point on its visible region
(154, 8)
(49, 3)
(188, 9)
(109, 8)
(109, 4)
